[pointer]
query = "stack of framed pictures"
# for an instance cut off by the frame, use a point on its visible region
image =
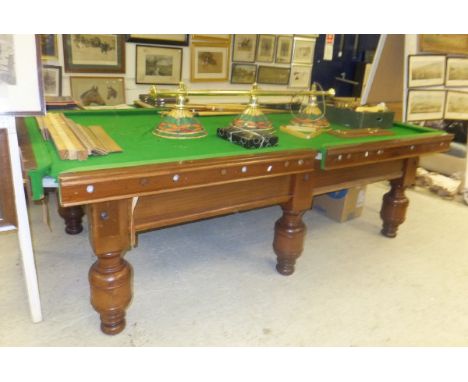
(436, 87)
(272, 59)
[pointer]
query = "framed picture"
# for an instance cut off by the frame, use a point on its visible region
(244, 47)
(212, 37)
(49, 47)
(7, 192)
(21, 90)
(284, 47)
(94, 53)
(266, 48)
(209, 61)
(273, 75)
(304, 49)
(300, 76)
(425, 105)
(52, 80)
(243, 73)
(444, 43)
(161, 39)
(457, 72)
(456, 106)
(158, 65)
(426, 70)
(98, 91)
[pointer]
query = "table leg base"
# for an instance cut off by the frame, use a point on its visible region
(285, 267)
(73, 219)
(389, 231)
(113, 325)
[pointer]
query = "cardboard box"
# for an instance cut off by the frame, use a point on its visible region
(342, 205)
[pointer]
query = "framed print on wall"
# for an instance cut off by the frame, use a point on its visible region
(158, 65)
(284, 47)
(456, 106)
(52, 80)
(266, 48)
(209, 62)
(273, 75)
(244, 47)
(457, 72)
(161, 39)
(243, 73)
(300, 76)
(98, 91)
(304, 49)
(212, 37)
(424, 105)
(426, 70)
(21, 90)
(94, 53)
(49, 47)
(444, 43)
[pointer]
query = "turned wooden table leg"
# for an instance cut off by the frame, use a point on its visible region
(289, 240)
(110, 277)
(111, 293)
(290, 230)
(395, 203)
(394, 207)
(73, 219)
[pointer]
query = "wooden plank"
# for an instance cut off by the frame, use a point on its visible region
(107, 142)
(43, 127)
(87, 138)
(66, 142)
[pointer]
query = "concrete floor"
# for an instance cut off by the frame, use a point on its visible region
(213, 283)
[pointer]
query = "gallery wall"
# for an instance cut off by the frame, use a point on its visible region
(133, 90)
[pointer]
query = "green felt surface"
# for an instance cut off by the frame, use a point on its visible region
(132, 130)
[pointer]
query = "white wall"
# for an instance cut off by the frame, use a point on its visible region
(133, 90)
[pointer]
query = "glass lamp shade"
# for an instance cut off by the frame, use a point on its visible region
(252, 118)
(310, 115)
(180, 124)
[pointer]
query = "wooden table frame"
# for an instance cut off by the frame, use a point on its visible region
(124, 201)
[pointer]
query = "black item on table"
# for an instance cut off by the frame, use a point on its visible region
(248, 139)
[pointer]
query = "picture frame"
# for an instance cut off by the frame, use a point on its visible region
(284, 49)
(94, 53)
(457, 71)
(425, 105)
(266, 48)
(243, 73)
(273, 75)
(212, 37)
(8, 216)
(209, 61)
(456, 106)
(52, 80)
(443, 43)
(21, 75)
(98, 91)
(160, 39)
(300, 76)
(49, 47)
(304, 49)
(244, 47)
(158, 65)
(426, 70)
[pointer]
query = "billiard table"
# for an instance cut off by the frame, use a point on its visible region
(157, 182)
